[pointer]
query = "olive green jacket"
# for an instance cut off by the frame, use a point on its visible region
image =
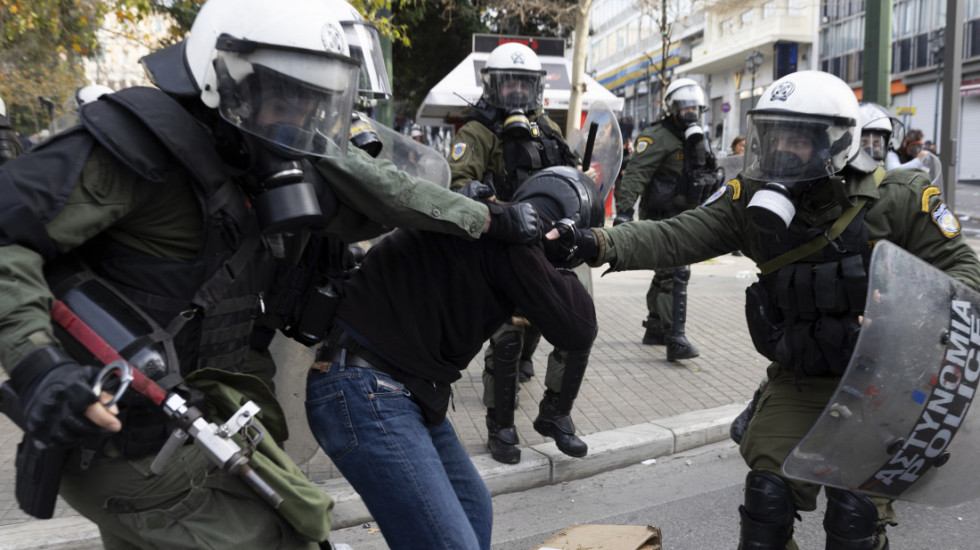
(477, 151)
(656, 150)
(906, 210)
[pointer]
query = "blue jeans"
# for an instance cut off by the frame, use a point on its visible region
(416, 479)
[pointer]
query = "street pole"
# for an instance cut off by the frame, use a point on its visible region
(752, 64)
(952, 78)
(936, 48)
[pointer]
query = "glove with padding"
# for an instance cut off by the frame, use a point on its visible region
(476, 190)
(572, 246)
(517, 223)
(55, 391)
(623, 217)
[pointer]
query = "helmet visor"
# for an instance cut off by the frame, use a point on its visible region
(792, 147)
(875, 143)
(365, 47)
(509, 89)
(298, 101)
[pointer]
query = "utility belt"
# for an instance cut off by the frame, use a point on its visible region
(340, 348)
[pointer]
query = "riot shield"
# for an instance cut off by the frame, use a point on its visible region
(900, 425)
(729, 167)
(932, 166)
(607, 152)
(418, 159)
(293, 361)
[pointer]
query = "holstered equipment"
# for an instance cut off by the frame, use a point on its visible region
(768, 513)
(851, 521)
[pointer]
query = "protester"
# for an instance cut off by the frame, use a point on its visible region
(178, 203)
(738, 145)
(671, 171)
(812, 235)
(413, 316)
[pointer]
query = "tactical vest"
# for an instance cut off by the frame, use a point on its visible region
(205, 306)
(523, 157)
(804, 315)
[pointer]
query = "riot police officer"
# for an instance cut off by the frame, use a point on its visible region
(177, 203)
(672, 170)
(808, 209)
(506, 139)
(10, 147)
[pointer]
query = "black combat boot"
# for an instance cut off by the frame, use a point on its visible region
(678, 347)
(525, 370)
(557, 424)
(654, 335)
(502, 441)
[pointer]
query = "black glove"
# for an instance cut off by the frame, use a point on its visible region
(55, 391)
(572, 247)
(623, 217)
(514, 223)
(476, 190)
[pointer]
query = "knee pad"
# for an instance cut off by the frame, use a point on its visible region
(851, 521)
(768, 513)
(682, 274)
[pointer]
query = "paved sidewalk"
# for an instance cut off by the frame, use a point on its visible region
(633, 406)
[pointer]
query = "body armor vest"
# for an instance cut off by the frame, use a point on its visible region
(541, 148)
(804, 315)
(205, 306)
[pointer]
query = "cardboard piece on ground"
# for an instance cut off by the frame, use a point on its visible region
(605, 537)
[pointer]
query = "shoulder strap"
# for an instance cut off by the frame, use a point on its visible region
(829, 236)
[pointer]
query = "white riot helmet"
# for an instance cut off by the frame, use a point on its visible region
(682, 93)
(880, 130)
(90, 93)
(803, 129)
(365, 47)
(280, 71)
(513, 78)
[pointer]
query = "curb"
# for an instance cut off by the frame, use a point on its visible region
(540, 465)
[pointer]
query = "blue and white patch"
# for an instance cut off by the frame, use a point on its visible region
(641, 144)
(458, 151)
(944, 218)
(719, 193)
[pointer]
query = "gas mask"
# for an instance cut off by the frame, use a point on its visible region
(772, 208)
(282, 201)
(517, 125)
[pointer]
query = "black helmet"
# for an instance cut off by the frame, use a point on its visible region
(560, 192)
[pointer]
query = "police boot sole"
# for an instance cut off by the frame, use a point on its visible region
(685, 353)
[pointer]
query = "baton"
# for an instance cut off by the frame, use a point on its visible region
(214, 440)
(589, 144)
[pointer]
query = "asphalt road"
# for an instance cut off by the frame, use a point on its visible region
(693, 497)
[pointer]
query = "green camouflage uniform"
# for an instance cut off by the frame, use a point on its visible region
(901, 211)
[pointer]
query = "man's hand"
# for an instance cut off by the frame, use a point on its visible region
(567, 246)
(623, 217)
(59, 404)
(513, 223)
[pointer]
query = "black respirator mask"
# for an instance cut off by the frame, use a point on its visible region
(517, 125)
(773, 207)
(282, 200)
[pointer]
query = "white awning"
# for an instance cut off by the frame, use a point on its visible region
(446, 101)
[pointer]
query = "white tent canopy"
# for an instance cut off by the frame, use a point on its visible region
(446, 101)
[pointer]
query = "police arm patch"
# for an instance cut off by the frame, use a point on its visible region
(945, 220)
(927, 194)
(736, 187)
(642, 143)
(458, 151)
